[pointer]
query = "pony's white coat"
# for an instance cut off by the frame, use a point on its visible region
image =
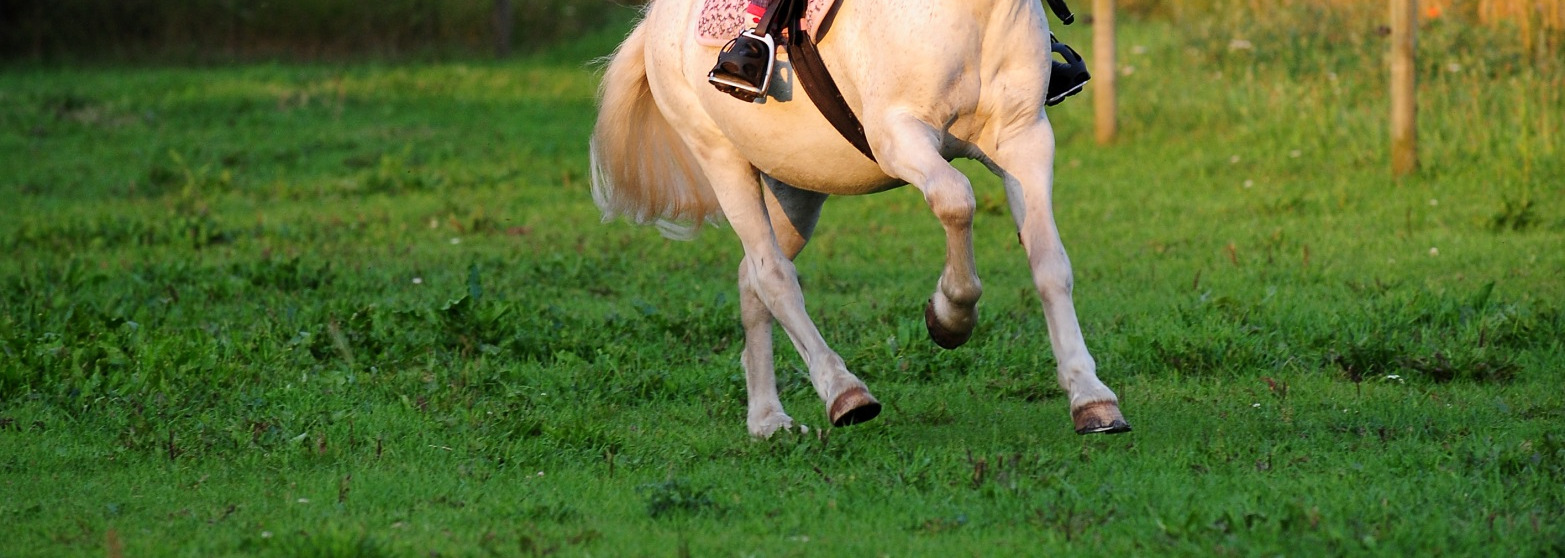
(931, 80)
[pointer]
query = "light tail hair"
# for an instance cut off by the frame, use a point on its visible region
(641, 169)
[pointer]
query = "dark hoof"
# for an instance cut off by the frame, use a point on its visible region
(1100, 418)
(854, 406)
(943, 337)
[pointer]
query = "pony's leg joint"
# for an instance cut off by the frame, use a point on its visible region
(912, 154)
(952, 313)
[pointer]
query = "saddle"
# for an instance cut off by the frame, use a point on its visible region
(722, 20)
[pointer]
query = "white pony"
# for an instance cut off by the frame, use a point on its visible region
(931, 80)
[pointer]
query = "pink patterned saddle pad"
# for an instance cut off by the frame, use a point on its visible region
(722, 20)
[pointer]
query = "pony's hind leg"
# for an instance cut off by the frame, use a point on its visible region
(767, 273)
(1026, 163)
(911, 153)
(793, 214)
(771, 278)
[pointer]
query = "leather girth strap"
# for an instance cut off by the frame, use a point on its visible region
(811, 70)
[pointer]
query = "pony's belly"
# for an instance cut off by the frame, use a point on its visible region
(838, 171)
(803, 150)
(787, 138)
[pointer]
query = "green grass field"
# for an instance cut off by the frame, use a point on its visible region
(369, 310)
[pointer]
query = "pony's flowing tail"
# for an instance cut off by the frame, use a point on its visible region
(641, 168)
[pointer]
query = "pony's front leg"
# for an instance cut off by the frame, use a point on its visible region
(911, 152)
(1026, 163)
(768, 276)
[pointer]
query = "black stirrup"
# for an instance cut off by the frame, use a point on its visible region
(1068, 77)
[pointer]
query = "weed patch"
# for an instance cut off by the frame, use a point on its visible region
(676, 497)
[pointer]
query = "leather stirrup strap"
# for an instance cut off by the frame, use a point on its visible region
(817, 82)
(811, 70)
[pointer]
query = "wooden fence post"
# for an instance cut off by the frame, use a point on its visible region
(504, 22)
(1404, 96)
(1104, 95)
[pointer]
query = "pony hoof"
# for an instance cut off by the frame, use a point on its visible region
(1100, 418)
(854, 406)
(762, 429)
(943, 337)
